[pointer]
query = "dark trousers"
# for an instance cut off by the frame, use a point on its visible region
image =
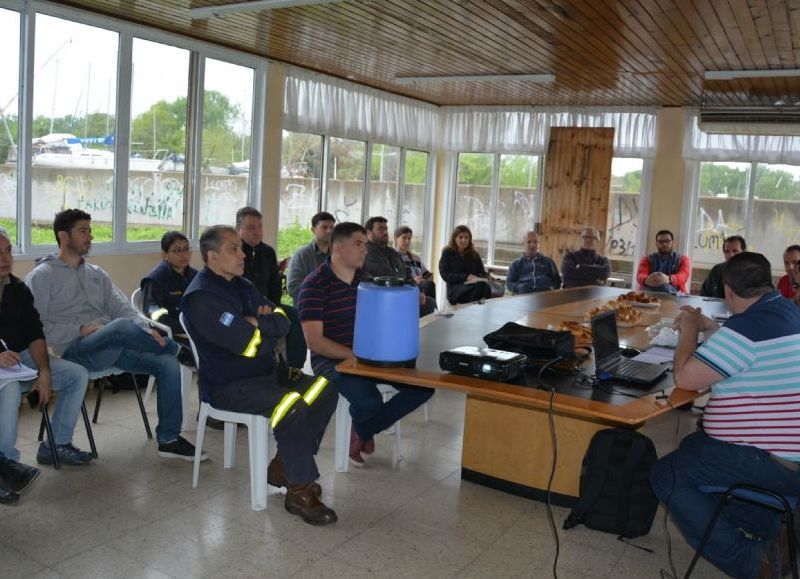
(370, 413)
(465, 293)
(428, 287)
(300, 431)
(296, 349)
(701, 460)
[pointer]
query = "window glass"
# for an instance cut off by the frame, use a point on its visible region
(384, 183)
(721, 209)
(415, 180)
(347, 164)
(473, 198)
(226, 141)
(301, 173)
(623, 211)
(515, 206)
(776, 212)
(74, 120)
(9, 131)
(158, 140)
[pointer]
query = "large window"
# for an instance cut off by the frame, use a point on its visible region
(301, 180)
(74, 119)
(759, 201)
(347, 165)
(415, 184)
(227, 141)
(498, 210)
(9, 131)
(623, 211)
(384, 182)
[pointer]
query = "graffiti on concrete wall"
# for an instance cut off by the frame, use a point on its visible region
(623, 225)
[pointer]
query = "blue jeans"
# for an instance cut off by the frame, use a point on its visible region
(69, 382)
(127, 346)
(701, 460)
(370, 413)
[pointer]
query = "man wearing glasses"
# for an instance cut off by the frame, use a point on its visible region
(665, 270)
(585, 266)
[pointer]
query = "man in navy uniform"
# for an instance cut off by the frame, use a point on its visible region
(235, 329)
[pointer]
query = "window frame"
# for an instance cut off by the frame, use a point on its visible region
(127, 31)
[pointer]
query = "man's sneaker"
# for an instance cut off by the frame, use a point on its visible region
(66, 453)
(179, 448)
(356, 448)
(7, 497)
(17, 478)
(369, 446)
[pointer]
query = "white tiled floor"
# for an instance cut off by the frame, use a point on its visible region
(133, 514)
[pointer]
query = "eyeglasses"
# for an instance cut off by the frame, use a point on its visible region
(180, 250)
(589, 237)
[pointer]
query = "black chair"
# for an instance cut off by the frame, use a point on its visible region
(45, 425)
(762, 497)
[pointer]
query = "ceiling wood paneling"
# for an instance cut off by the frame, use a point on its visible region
(603, 52)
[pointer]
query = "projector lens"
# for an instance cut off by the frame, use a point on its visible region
(486, 368)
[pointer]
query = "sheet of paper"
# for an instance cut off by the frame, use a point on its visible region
(18, 373)
(656, 355)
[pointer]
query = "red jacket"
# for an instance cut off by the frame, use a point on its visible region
(785, 287)
(679, 278)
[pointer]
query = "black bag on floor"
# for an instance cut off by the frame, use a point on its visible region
(615, 493)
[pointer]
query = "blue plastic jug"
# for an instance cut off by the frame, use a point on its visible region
(387, 323)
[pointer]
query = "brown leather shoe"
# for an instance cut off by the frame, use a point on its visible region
(277, 477)
(302, 501)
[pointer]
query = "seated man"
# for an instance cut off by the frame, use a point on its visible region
(532, 272)
(665, 270)
(309, 257)
(327, 309)
(88, 320)
(713, 286)
(382, 260)
(163, 287)
(261, 268)
(585, 266)
(750, 430)
(787, 285)
(235, 330)
(22, 341)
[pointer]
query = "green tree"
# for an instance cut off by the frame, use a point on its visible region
(301, 155)
(165, 122)
(416, 167)
(475, 168)
(776, 184)
(718, 179)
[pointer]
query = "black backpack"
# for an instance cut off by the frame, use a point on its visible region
(615, 493)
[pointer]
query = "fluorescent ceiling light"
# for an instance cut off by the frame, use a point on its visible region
(734, 74)
(220, 9)
(476, 78)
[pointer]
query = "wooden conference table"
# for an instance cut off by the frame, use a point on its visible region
(506, 433)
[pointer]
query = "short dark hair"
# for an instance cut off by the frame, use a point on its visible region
(402, 230)
(345, 230)
(733, 238)
(66, 220)
(373, 220)
(322, 216)
(792, 248)
(665, 232)
(211, 240)
(748, 274)
(247, 212)
(171, 237)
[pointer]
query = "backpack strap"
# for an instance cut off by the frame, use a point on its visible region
(597, 460)
(627, 474)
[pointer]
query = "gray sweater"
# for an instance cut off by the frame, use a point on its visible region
(305, 260)
(67, 298)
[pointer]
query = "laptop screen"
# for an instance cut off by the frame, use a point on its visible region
(604, 336)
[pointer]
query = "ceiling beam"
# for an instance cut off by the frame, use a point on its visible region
(538, 78)
(734, 74)
(222, 9)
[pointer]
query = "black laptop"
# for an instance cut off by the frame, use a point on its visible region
(610, 363)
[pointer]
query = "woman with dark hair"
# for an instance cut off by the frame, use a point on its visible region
(163, 287)
(462, 268)
(420, 273)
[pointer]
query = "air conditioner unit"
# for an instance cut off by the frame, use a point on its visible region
(751, 121)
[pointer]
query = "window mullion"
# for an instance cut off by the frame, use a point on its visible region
(751, 201)
(25, 130)
(194, 138)
(122, 140)
(495, 193)
(401, 188)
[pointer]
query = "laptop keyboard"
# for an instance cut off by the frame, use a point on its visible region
(630, 368)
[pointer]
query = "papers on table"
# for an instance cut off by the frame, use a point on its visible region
(17, 373)
(656, 355)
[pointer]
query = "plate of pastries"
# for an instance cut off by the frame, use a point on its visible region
(640, 300)
(582, 333)
(627, 316)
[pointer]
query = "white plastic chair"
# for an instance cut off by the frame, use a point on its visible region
(257, 435)
(344, 423)
(186, 371)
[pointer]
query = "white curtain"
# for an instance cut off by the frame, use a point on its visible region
(315, 103)
(497, 130)
(700, 146)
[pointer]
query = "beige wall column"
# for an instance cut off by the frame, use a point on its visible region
(439, 212)
(271, 160)
(666, 200)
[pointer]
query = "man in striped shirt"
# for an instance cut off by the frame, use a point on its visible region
(327, 308)
(751, 426)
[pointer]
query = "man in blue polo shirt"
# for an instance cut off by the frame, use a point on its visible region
(751, 425)
(327, 307)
